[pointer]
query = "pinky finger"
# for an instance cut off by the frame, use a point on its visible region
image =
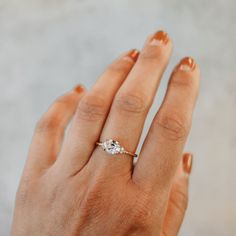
(178, 199)
(49, 132)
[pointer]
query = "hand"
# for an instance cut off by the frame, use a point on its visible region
(70, 186)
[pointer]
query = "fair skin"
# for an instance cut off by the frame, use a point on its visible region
(71, 187)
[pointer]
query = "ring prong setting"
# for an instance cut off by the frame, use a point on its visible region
(113, 147)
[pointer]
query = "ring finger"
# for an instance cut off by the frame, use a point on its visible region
(132, 102)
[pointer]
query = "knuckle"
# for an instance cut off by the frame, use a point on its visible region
(91, 107)
(149, 54)
(179, 200)
(140, 211)
(172, 126)
(93, 198)
(96, 199)
(141, 216)
(55, 191)
(120, 67)
(178, 81)
(65, 100)
(52, 120)
(48, 123)
(131, 103)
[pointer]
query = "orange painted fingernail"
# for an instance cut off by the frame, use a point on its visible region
(160, 38)
(187, 162)
(134, 54)
(187, 64)
(79, 88)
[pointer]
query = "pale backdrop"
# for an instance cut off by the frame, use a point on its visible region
(48, 46)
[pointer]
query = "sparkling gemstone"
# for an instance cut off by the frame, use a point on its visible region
(112, 147)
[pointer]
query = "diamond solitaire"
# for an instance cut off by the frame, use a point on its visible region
(113, 147)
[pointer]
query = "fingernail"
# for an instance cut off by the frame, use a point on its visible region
(187, 162)
(79, 88)
(134, 54)
(187, 64)
(160, 38)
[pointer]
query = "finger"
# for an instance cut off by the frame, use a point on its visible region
(167, 135)
(178, 199)
(91, 114)
(50, 129)
(133, 100)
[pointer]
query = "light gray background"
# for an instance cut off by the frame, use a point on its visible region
(48, 46)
